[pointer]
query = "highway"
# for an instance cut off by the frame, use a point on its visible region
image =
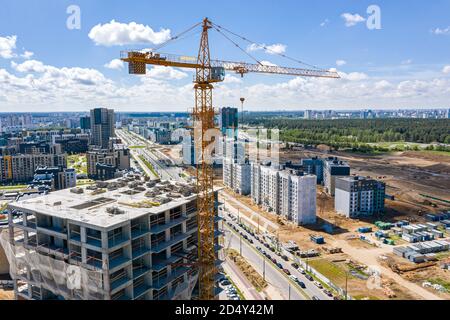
(156, 158)
(273, 275)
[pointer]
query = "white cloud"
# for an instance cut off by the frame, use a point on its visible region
(7, 46)
(268, 63)
(341, 63)
(324, 23)
(166, 73)
(406, 62)
(117, 33)
(277, 48)
(446, 69)
(33, 85)
(27, 54)
(439, 31)
(231, 79)
(64, 76)
(354, 76)
(352, 19)
(115, 64)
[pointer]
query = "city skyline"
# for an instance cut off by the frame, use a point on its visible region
(51, 65)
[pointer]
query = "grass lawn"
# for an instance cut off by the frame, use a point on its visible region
(16, 187)
(442, 282)
(148, 165)
(439, 153)
(329, 270)
(78, 162)
(85, 182)
(137, 147)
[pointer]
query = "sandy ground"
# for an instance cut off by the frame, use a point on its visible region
(6, 295)
(407, 174)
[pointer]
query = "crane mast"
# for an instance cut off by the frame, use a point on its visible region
(203, 118)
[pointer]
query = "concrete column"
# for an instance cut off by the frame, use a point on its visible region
(83, 234)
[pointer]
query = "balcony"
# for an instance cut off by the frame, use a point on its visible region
(118, 262)
(160, 283)
(140, 271)
(140, 251)
(165, 244)
(161, 227)
(75, 235)
(119, 283)
(94, 241)
(139, 231)
(117, 240)
(140, 290)
(160, 264)
(60, 232)
(52, 249)
(95, 262)
(20, 223)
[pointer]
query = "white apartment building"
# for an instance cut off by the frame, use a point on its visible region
(236, 176)
(288, 193)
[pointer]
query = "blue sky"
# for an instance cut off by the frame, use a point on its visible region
(404, 64)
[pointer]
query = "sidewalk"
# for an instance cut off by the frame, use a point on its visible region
(241, 281)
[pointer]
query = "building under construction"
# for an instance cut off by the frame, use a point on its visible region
(124, 239)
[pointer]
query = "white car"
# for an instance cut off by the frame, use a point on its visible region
(293, 278)
(318, 284)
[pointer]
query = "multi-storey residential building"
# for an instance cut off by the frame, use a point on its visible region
(73, 143)
(228, 119)
(236, 176)
(55, 178)
(332, 169)
(102, 126)
(314, 166)
(122, 240)
(103, 163)
(21, 167)
(286, 192)
(359, 196)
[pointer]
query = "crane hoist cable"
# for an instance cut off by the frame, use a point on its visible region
(243, 50)
(177, 37)
(267, 49)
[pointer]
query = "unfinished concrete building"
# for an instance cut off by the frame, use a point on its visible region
(124, 239)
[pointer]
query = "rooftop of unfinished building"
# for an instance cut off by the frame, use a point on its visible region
(112, 202)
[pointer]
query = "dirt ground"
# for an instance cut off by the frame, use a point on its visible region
(432, 273)
(407, 174)
(6, 295)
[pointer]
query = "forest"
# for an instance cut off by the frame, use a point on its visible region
(353, 133)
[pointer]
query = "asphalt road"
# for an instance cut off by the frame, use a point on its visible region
(275, 276)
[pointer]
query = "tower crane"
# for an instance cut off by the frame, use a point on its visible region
(208, 72)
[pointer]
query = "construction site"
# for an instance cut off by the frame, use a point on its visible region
(124, 239)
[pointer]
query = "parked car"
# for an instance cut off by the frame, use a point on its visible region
(309, 277)
(315, 298)
(302, 271)
(225, 282)
(287, 271)
(279, 265)
(274, 260)
(318, 284)
(285, 258)
(250, 240)
(293, 278)
(328, 293)
(295, 265)
(301, 284)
